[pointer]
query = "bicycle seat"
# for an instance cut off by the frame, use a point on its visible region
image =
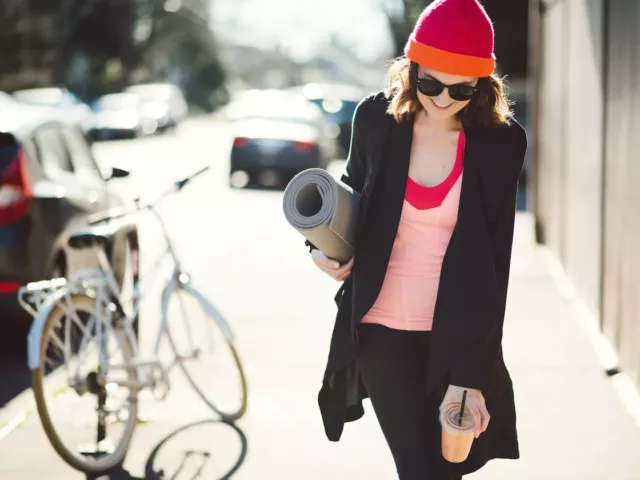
(87, 239)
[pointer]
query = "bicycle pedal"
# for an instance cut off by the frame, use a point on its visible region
(104, 447)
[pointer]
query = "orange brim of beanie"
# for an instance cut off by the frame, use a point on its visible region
(447, 62)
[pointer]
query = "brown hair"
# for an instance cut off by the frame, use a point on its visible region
(489, 105)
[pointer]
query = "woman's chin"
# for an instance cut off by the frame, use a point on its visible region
(440, 113)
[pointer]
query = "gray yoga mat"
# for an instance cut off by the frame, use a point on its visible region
(324, 210)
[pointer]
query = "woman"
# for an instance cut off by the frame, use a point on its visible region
(436, 159)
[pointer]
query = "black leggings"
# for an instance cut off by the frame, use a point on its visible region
(393, 364)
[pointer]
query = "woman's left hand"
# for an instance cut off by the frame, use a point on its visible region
(475, 403)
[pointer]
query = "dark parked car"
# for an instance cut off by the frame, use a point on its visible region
(278, 133)
(338, 103)
(49, 185)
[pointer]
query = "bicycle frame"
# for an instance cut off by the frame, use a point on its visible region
(103, 281)
(86, 322)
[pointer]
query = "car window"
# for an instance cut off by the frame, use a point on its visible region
(51, 151)
(30, 148)
(80, 154)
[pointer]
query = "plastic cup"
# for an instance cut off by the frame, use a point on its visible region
(456, 439)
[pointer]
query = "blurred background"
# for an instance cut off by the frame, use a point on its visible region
(103, 101)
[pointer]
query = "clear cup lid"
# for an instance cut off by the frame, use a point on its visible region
(453, 416)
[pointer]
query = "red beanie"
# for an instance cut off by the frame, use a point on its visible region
(455, 37)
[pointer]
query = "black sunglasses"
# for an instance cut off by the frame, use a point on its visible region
(432, 88)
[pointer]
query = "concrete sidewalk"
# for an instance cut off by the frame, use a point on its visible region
(572, 423)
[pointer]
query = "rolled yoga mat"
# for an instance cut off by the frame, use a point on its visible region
(324, 210)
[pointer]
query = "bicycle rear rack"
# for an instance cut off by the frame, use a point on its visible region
(33, 295)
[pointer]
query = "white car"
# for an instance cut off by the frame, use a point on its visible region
(162, 102)
(120, 115)
(76, 111)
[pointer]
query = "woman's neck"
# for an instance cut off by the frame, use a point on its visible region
(435, 125)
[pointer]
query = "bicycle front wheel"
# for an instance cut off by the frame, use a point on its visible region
(87, 415)
(204, 349)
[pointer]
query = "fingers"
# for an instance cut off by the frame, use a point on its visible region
(322, 260)
(344, 271)
(485, 417)
(477, 420)
(475, 405)
(342, 277)
(484, 413)
(325, 263)
(481, 419)
(332, 267)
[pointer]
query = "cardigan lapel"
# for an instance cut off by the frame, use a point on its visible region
(467, 301)
(388, 197)
(397, 156)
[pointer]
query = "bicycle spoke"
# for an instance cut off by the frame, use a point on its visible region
(58, 343)
(76, 319)
(49, 362)
(83, 352)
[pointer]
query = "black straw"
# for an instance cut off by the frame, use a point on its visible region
(464, 400)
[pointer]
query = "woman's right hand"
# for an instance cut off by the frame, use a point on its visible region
(332, 267)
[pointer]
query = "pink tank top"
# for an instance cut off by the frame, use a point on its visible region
(429, 214)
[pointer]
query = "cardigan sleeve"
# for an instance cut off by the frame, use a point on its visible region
(476, 370)
(355, 170)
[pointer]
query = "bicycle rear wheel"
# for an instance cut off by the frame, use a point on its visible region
(204, 348)
(88, 418)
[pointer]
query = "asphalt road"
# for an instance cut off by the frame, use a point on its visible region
(240, 251)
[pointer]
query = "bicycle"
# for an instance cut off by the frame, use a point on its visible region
(83, 321)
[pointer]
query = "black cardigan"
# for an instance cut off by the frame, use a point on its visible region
(470, 305)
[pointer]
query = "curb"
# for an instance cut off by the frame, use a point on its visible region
(626, 389)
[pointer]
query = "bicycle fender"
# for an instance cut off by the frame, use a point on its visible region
(37, 327)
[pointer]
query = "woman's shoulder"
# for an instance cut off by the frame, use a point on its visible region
(373, 106)
(377, 99)
(503, 149)
(370, 119)
(517, 144)
(510, 135)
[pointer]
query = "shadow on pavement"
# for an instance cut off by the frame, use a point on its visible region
(175, 457)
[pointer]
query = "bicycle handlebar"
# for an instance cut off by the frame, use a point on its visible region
(184, 181)
(120, 212)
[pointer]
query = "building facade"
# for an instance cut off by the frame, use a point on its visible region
(584, 186)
